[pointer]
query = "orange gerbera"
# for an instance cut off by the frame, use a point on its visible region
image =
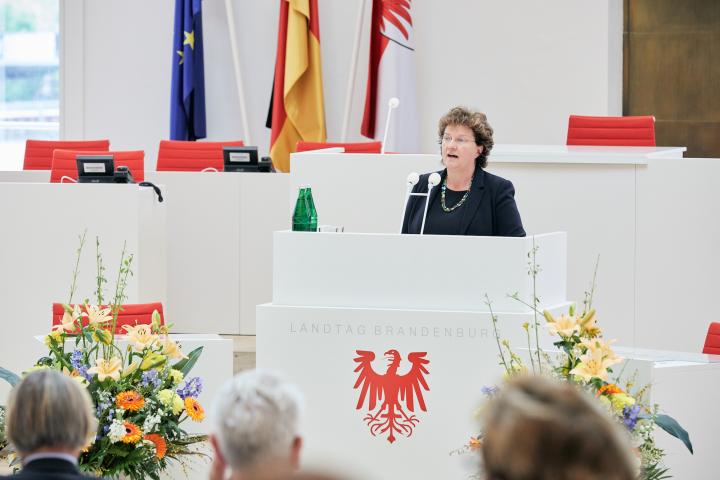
(130, 400)
(475, 443)
(194, 409)
(160, 444)
(133, 434)
(609, 389)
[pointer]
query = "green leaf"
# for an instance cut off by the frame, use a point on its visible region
(671, 426)
(186, 364)
(9, 377)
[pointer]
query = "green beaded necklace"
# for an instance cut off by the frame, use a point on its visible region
(457, 205)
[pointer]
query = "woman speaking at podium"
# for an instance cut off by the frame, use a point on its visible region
(468, 200)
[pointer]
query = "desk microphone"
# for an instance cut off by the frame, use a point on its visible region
(412, 179)
(433, 180)
(392, 105)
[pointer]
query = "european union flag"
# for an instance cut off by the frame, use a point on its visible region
(187, 103)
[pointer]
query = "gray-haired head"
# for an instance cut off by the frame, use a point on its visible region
(257, 420)
(49, 410)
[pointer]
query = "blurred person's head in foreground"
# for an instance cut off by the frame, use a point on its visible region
(541, 429)
(49, 415)
(257, 426)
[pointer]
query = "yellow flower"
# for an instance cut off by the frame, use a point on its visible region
(565, 326)
(107, 368)
(593, 365)
(53, 337)
(156, 320)
(130, 369)
(69, 319)
(98, 315)
(102, 336)
(603, 348)
(140, 336)
(194, 409)
(171, 400)
(152, 360)
(621, 400)
(588, 324)
(171, 349)
(176, 376)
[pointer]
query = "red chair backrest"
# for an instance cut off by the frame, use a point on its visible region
(65, 163)
(359, 147)
(129, 314)
(185, 156)
(39, 153)
(611, 131)
(712, 340)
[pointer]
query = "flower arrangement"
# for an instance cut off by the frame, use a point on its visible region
(585, 359)
(141, 392)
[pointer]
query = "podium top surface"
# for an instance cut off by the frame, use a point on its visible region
(416, 272)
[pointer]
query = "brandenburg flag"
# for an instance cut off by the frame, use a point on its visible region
(296, 107)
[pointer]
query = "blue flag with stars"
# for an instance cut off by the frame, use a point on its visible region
(187, 102)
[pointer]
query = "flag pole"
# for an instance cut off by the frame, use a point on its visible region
(236, 66)
(353, 69)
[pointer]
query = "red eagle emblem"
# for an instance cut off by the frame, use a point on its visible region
(397, 394)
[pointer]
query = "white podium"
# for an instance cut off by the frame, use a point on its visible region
(41, 226)
(338, 295)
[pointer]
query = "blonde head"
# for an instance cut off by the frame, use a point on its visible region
(540, 429)
(48, 410)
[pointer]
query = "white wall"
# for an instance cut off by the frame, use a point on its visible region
(527, 64)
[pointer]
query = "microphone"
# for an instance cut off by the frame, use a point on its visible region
(154, 187)
(392, 105)
(433, 180)
(412, 179)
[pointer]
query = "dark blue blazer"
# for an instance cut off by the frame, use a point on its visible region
(490, 209)
(49, 469)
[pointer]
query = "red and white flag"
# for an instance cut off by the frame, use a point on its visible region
(391, 73)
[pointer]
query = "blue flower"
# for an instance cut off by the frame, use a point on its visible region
(630, 416)
(76, 359)
(489, 391)
(191, 388)
(150, 378)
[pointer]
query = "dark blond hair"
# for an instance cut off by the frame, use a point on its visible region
(541, 429)
(475, 121)
(49, 410)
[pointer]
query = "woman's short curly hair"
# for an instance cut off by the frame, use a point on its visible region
(475, 121)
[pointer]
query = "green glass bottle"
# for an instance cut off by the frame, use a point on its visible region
(301, 215)
(312, 212)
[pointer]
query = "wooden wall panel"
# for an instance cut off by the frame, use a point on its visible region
(672, 70)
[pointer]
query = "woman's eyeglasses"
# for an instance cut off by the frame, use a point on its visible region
(460, 141)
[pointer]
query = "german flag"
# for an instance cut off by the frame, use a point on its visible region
(296, 107)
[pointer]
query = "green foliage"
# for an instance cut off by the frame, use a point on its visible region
(9, 376)
(655, 472)
(186, 364)
(671, 426)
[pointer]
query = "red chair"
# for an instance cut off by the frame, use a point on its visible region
(359, 147)
(611, 131)
(64, 163)
(129, 314)
(39, 153)
(712, 340)
(184, 156)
